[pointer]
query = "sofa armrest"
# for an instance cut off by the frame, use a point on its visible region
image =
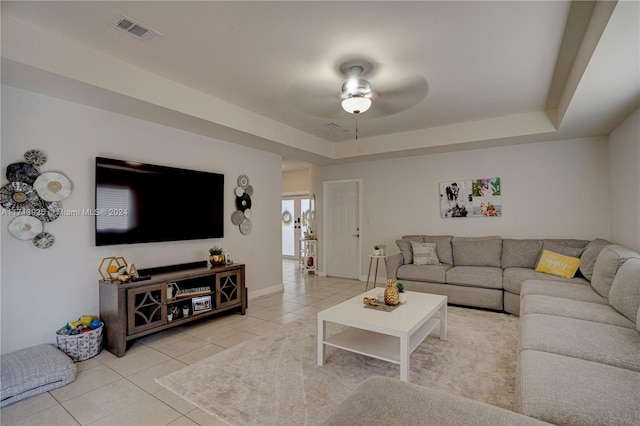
(386, 401)
(393, 263)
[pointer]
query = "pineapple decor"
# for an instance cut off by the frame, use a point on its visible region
(391, 293)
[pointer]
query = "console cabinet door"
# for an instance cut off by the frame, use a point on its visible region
(229, 288)
(147, 307)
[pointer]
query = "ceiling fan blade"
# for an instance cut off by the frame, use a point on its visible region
(398, 96)
(315, 98)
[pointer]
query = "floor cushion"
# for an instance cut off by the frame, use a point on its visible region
(34, 370)
(385, 401)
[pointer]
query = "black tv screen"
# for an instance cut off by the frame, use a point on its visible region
(142, 203)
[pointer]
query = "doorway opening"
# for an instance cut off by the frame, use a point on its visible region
(295, 222)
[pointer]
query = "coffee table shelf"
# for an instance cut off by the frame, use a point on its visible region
(378, 345)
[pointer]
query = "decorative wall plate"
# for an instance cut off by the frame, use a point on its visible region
(239, 191)
(35, 157)
(44, 240)
(243, 181)
(25, 227)
(18, 196)
(286, 217)
(249, 190)
(247, 213)
(243, 203)
(237, 217)
(53, 186)
(246, 226)
(22, 172)
(48, 211)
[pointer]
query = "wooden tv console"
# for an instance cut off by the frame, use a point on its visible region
(135, 309)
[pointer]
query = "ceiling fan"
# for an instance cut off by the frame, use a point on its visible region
(357, 86)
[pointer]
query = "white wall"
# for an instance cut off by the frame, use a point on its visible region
(556, 189)
(295, 182)
(624, 151)
(43, 289)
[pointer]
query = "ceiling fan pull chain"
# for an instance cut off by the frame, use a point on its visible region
(356, 126)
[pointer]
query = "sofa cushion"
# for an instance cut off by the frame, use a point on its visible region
(385, 401)
(475, 276)
(625, 290)
(477, 251)
(425, 273)
(520, 253)
(556, 246)
(32, 371)
(597, 312)
(589, 256)
(514, 277)
(443, 247)
(591, 341)
(568, 242)
(553, 263)
(424, 253)
(610, 259)
(569, 391)
(572, 290)
(405, 247)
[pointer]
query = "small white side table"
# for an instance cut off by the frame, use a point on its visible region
(375, 274)
(308, 255)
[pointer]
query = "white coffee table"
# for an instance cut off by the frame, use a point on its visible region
(389, 336)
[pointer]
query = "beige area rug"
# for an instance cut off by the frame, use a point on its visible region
(275, 380)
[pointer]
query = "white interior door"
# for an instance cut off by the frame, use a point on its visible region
(342, 229)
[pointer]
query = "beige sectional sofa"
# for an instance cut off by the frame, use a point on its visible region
(579, 346)
(578, 352)
(485, 272)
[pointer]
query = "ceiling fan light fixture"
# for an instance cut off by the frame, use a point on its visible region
(356, 104)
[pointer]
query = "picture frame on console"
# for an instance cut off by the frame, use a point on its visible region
(201, 304)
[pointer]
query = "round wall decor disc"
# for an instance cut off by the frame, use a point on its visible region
(239, 191)
(18, 196)
(36, 157)
(22, 172)
(53, 186)
(243, 181)
(249, 190)
(48, 211)
(25, 227)
(247, 213)
(243, 203)
(246, 226)
(44, 240)
(237, 217)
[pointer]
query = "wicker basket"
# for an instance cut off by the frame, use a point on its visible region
(80, 346)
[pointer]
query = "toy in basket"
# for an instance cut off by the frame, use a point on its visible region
(81, 339)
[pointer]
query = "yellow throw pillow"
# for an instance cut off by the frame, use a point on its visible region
(557, 264)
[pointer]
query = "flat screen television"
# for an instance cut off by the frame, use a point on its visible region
(142, 203)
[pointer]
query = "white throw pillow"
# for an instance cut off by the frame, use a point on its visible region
(424, 253)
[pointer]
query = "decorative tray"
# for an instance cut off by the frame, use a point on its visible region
(371, 303)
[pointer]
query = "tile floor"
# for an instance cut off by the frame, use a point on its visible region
(121, 391)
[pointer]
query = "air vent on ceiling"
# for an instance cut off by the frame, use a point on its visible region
(130, 26)
(332, 126)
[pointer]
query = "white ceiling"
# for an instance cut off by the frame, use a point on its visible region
(450, 75)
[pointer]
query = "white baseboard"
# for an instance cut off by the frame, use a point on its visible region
(266, 291)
